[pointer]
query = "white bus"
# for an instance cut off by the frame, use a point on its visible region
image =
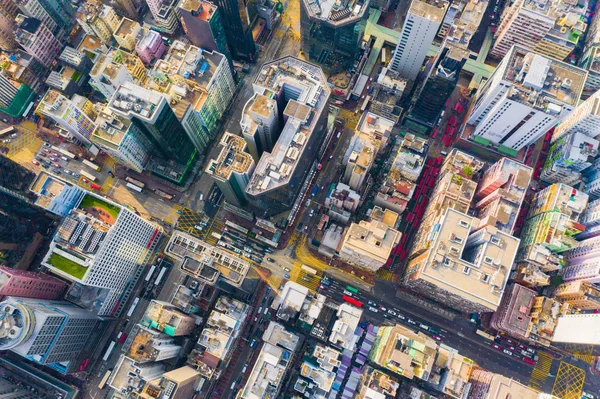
(150, 272)
(160, 276)
(135, 182)
(66, 153)
(7, 131)
(90, 176)
(133, 306)
(134, 187)
(108, 351)
(383, 56)
(91, 165)
(104, 379)
(309, 270)
(216, 235)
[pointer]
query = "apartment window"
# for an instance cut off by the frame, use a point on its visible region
(457, 239)
(463, 223)
(447, 261)
(495, 240)
(485, 277)
(467, 270)
(488, 260)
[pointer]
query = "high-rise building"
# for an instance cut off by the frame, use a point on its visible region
(260, 124)
(36, 39)
(551, 224)
(202, 24)
(151, 113)
(163, 12)
(584, 119)
(68, 114)
(568, 157)
(579, 328)
(23, 283)
(128, 33)
(513, 315)
(551, 28)
(488, 385)
(369, 244)
(238, 28)
(456, 259)
(420, 27)
(8, 13)
(45, 332)
(148, 345)
(122, 140)
(98, 19)
(151, 47)
(57, 15)
(168, 319)
(115, 68)
(500, 193)
(8, 90)
(180, 383)
(232, 169)
(78, 60)
(440, 84)
(583, 262)
(300, 92)
(101, 244)
(202, 86)
(579, 294)
(331, 32)
(526, 96)
(131, 8)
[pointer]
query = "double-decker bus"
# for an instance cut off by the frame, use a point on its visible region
(150, 272)
(90, 176)
(133, 306)
(352, 289)
(485, 335)
(7, 131)
(134, 187)
(108, 351)
(104, 379)
(352, 301)
(309, 270)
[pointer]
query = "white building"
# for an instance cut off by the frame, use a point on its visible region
(106, 76)
(568, 156)
(163, 12)
(122, 140)
(50, 333)
(526, 96)
(342, 332)
(584, 119)
(101, 244)
(420, 28)
(583, 262)
(8, 91)
(369, 244)
(578, 329)
(68, 114)
(260, 124)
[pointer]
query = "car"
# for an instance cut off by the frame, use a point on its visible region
(42, 154)
(53, 159)
(57, 166)
(46, 144)
(372, 309)
(305, 228)
(512, 348)
(587, 395)
(521, 346)
(286, 275)
(390, 311)
(312, 212)
(530, 350)
(84, 180)
(347, 293)
(424, 326)
(255, 318)
(526, 354)
(437, 337)
(56, 154)
(387, 316)
(411, 321)
(496, 346)
(510, 341)
(245, 368)
(198, 227)
(35, 162)
(56, 171)
(506, 351)
(270, 259)
(305, 279)
(287, 269)
(372, 303)
(45, 165)
(382, 308)
(13, 135)
(529, 361)
(322, 287)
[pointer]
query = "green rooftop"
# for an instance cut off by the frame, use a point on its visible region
(90, 201)
(67, 266)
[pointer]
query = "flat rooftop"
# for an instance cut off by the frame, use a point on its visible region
(432, 10)
(542, 82)
(112, 128)
(209, 263)
(233, 158)
(474, 267)
(126, 27)
(336, 12)
(204, 9)
(131, 99)
(311, 91)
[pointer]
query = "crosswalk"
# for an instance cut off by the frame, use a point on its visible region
(385, 274)
(540, 372)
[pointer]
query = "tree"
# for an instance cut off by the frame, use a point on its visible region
(556, 280)
(468, 171)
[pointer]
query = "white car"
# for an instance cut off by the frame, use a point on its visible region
(372, 309)
(509, 353)
(347, 293)
(401, 316)
(392, 312)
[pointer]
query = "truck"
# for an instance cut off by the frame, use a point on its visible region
(315, 191)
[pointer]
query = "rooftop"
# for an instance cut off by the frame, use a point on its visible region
(371, 239)
(233, 158)
(267, 373)
(434, 10)
(542, 82)
(112, 128)
(204, 261)
(311, 92)
(472, 264)
(129, 377)
(336, 12)
(204, 9)
(578, 329)
(127, 27)
(133, 100)
(276, 334)
(342, 332)
(146, 345)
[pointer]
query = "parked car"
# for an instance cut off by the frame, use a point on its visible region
(509, 353)
(35, 162)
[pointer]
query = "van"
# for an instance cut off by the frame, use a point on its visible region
(201, 197)
(424, 327)
(64, 158)
(444, 153)
(245, 368)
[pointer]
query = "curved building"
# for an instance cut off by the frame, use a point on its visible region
(52, 333)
